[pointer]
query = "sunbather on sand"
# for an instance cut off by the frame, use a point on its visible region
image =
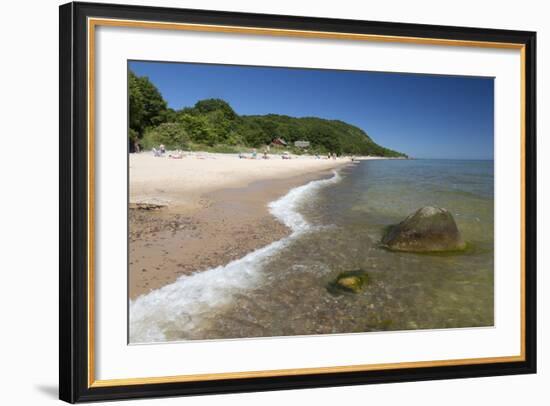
(177, 155)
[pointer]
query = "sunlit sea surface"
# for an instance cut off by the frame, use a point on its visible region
(337, 224)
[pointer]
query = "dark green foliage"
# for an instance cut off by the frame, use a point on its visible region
(147, 107)
(213, 122)
(215, 106)
(132, 135)
(253, 133)
(199, 128)
(324, 135)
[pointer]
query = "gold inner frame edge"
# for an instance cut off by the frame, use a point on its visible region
(94, 22)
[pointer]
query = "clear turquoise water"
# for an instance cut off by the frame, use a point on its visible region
(289, 294)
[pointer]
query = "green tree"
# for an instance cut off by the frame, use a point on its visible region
(172, 135)
(198, 128)
(136, 102)
(215, 105)
(147, 108)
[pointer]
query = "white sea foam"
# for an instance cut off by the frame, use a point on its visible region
(183, 305)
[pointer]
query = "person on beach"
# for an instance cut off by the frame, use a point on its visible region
(177, 155)
(162, 149)
(254, 153)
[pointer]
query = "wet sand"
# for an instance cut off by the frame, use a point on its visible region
(208, 230)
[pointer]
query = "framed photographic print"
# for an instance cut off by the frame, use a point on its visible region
(258, 202)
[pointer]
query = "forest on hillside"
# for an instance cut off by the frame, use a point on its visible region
(212, 124)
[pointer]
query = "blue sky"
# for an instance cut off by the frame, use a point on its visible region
(424, 116)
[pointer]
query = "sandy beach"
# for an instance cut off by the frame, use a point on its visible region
(212, 210)
(183, 181)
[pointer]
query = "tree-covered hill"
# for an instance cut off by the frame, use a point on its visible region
(213, 122)
(330, 135)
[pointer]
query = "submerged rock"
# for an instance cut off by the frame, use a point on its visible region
(429, 229)
(350, 281)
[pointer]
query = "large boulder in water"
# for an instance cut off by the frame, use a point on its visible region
(429, 229)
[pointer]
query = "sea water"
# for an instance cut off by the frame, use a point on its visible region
(337, 223)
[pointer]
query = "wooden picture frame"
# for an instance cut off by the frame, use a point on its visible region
(78, 21)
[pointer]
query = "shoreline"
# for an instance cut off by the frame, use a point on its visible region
(206, 210)
(211, 226)
(203, 293)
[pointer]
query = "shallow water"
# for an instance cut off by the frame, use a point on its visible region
(337, 224)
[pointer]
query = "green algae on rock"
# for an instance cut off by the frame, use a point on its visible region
(350, 281)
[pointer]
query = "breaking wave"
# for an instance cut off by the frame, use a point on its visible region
(182, 306)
